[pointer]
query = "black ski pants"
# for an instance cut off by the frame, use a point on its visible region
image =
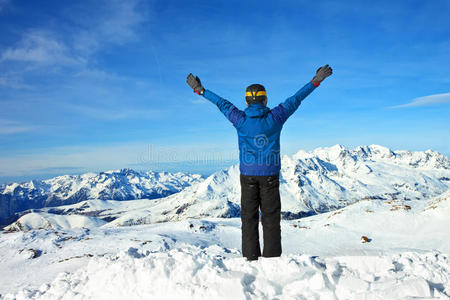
(260, 193)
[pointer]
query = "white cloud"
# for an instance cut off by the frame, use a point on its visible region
(116, 113)
(112, 23)
(13, 82)
(3, 3)
(116, 24)
(199, 101)
(426, 101)
(42, 47)
(70, 51)
(13, 127)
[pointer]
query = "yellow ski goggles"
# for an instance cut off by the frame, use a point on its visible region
(260, 93)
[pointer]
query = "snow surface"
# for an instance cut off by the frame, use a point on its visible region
(407, 257)
(193, 273)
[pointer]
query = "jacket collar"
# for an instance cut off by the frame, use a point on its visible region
(256, 110)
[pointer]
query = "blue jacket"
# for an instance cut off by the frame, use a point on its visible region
(259, 129)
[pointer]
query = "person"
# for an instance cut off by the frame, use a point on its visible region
(258, 129)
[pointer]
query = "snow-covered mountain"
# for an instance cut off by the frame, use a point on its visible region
(329, 178)
(124, 184)
(313, 182)
(322, 180)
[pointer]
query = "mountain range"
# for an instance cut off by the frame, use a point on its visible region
(120, 185)
(311, 182)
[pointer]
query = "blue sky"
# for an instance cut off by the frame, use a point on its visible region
(98, 85)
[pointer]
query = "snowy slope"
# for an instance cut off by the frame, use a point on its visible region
(122, 184)
(407, 255)
(323, 180)
(52, 221)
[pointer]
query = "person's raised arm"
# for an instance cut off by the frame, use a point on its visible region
(226, 107)
(283, 111)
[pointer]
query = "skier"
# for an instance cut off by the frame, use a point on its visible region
(259, 129)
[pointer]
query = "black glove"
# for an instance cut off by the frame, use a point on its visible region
(321, 74)
(195, 84)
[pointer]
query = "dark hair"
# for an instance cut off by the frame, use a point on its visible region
(251, 94)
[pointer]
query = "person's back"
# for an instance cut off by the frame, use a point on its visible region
(259, 141)
(259, 129)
